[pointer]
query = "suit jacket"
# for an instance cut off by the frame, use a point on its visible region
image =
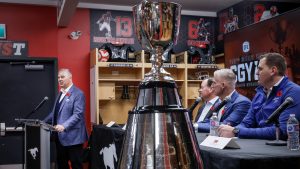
(234, 112)
(209, 112)
(71, 116)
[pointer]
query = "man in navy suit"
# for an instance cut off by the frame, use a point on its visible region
(67, 116)
(238, 105)
(208, 95)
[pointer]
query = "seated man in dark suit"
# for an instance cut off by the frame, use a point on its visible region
(238, 105)
(207, 94)
(274, 87)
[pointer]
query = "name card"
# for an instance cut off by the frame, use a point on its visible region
(220, 142)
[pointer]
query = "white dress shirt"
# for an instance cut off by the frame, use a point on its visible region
(64, 92)
(206, 108)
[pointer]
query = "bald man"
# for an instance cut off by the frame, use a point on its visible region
(68, 118)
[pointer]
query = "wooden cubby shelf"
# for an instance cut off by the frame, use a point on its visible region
(109, 79)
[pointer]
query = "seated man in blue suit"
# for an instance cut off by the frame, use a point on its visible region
(210, 99)
(236, 108)
(274, 87)
(67, 116)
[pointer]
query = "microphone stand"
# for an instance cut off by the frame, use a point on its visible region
(276, 142)
(32, 112)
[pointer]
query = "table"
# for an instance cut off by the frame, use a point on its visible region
(254, 154)
(106, 145)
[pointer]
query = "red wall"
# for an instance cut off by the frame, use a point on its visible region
(37, 26)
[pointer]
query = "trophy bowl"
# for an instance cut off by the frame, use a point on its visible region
(157, 28)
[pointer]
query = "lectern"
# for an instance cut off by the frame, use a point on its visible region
(36, 144)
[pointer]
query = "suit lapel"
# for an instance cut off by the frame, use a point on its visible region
(57, 98)
(62, 104)
(227, 106)
(55, 113)
(211, 110)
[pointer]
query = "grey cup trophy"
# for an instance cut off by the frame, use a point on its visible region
(159, 132)
(157, 28)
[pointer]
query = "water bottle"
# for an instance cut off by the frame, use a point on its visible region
(293, 133)
(196, 127)
(214, 124)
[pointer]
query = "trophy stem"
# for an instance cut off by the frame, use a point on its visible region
(157, 72)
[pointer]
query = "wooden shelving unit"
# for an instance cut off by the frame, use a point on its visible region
(108, 78)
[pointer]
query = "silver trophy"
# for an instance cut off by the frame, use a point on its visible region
(157, 28)
(159, 132)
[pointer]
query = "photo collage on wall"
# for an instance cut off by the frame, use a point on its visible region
(113, 33)
(249, 12)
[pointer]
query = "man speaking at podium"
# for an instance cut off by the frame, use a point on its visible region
(67, 116)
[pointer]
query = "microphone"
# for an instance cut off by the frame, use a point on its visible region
(274, 116)
(194, 105)
(41, 103)
(38, 106)
(218, 108)
(222, 104)
(197, 101)
(207, 24)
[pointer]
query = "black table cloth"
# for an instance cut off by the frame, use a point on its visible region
(254, 154)
(106, 145)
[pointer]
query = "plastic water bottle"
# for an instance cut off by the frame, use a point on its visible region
(293, 133)
(195, 125)
(214, 124)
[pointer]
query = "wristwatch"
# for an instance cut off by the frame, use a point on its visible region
(236, 131)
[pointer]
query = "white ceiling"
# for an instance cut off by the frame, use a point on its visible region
(189, 7)
(193, 7)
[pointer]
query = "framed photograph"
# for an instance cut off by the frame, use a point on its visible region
(2, 31)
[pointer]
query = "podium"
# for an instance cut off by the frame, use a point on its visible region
(36, 143)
